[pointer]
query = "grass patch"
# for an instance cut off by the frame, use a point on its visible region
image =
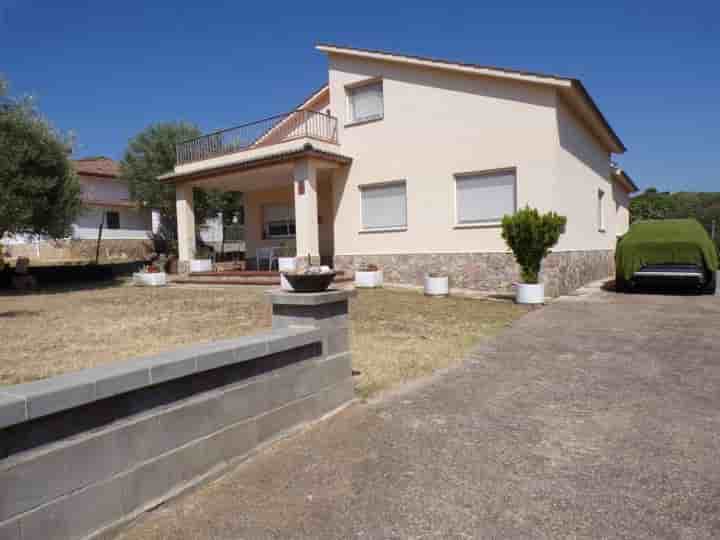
(397, 335)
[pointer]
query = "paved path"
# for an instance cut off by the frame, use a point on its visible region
(595, 417)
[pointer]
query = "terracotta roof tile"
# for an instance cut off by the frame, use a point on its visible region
(97, 166)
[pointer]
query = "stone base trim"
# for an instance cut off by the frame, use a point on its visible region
(562, 271)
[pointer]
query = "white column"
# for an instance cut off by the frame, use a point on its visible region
(306, 210)
(186, 225)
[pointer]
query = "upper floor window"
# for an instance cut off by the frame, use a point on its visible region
(483, 198)
(366, 102)
(384, 206)
(112, 220)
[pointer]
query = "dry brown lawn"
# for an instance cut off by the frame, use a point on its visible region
(397, 335)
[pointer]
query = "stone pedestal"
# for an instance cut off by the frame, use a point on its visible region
(327, 310)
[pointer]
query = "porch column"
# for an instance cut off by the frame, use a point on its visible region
(186, 225)
(306, 211)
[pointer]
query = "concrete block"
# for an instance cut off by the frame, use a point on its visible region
(335, 369)
(291, 338)
(186, 422)
(46, 475)
(10, 530)
(237, 440)
(284, 418)
(337, 342)
(155, 479)
(172, 365)
(12, 410)
(55, 394)
(244, 401)
(76, 515)
(232, 351)
(119, 378)
(333, 397)
(278, 296)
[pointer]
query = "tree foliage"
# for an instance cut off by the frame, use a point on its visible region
(530, 235)
(150, 154)
(703, 206)
(39, 190)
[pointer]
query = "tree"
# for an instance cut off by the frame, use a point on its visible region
(39, 190)
(150, 154)
(530, 235)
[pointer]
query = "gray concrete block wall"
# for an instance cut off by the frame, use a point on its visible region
(89, 482)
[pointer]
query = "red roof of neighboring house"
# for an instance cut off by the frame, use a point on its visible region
(97, 166)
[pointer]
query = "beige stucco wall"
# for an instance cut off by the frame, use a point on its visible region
(622, 208)
(583, 169)
(437, 124)
(254, 201)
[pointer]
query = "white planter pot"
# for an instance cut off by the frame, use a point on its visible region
(369, 280)
(200, 265)
(285, 284)
(287, 264)
(146, 279)
(530, 293)
(437, 286)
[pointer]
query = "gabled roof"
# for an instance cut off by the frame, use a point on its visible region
(97, 166)
(571, 89)
(623, 178)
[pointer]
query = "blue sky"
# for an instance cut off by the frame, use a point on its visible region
(106, 70)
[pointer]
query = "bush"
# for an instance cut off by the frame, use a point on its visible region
(530, 236)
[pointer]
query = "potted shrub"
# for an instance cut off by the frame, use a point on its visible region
(202, 261)
(436, 284)
(150, 276)
(530, 235)
(368, 276)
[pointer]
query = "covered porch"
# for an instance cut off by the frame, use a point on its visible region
(288, 199)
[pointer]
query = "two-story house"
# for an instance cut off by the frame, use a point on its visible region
(127, 229)
(410, 163)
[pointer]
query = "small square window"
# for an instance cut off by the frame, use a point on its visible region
(384, 206)
(484, 197)
(112, 220)
(366, 102)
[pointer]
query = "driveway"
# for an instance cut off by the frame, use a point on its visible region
(595, 417)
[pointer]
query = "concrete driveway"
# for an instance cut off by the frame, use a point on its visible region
(595, 417)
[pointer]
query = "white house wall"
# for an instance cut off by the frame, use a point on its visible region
(135, 224)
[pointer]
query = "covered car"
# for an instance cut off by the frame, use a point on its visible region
(678, 250)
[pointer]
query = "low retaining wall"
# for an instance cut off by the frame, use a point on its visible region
(83, 453)
(562, 271)
(111, 250)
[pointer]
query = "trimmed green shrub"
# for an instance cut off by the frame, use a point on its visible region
(530, 235)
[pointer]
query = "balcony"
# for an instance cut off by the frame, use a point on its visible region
(299, 124)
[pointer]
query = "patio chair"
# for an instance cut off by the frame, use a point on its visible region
(265, 254)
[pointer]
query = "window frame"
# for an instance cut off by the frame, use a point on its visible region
(380, 185)
(352, 87)
(115, 224)
(288, 223)
(485, 172)
(601, 218)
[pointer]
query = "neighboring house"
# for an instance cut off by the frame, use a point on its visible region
(127, 228)
(410, 163)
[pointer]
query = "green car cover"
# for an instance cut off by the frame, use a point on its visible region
(667, 241)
